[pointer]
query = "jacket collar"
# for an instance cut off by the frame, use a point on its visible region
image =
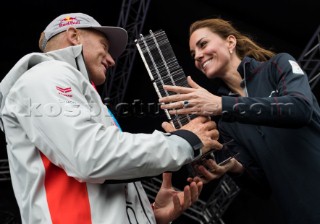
(72, 55)
(247, 68)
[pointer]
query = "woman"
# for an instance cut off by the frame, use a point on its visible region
(266, 106)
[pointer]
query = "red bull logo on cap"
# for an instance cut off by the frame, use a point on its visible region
(69, 21)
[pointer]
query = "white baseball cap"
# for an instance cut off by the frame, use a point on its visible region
(117, 36)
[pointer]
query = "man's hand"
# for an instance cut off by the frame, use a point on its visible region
(204, 128)
(170, 203)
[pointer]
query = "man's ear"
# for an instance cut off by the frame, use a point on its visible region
(73, 36)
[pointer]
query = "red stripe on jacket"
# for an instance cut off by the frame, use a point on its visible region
(67, 198)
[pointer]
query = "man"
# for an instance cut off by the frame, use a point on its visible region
(68, 160)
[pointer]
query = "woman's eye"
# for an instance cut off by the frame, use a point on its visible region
(203, 44)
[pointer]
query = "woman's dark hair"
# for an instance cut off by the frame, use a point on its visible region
(245, 46)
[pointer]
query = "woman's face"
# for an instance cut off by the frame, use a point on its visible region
(211, 53)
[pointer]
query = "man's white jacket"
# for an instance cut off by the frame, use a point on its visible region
(65, 151)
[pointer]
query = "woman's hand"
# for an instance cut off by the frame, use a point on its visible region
(210, 170)
(194, 100)
(170, 203)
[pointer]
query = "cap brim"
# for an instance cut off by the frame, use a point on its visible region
(117, 37)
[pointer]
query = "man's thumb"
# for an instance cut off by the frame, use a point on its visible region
(167, 127)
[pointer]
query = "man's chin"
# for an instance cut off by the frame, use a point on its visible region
(99, 82)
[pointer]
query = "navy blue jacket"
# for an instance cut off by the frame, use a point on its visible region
(276, 129)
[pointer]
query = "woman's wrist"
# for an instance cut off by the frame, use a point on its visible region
(237, 167)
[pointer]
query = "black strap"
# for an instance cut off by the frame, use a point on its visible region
(192, 138)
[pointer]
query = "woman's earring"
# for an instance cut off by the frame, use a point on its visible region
(230, 51)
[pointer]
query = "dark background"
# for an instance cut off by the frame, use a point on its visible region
(282, 26)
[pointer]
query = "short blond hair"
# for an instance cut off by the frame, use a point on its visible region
(53, 44)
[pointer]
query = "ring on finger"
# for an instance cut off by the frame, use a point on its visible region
(185, 104)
